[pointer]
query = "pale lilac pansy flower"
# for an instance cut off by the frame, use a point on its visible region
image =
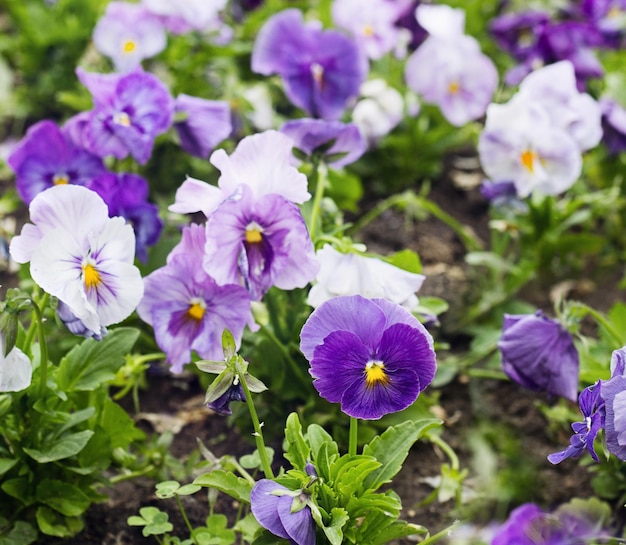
(449, 69)
(379, 110)
(613, 392)
(554, 88)
(127, 34)
(80, 255)
(521, 144)
(263, 162)
(185, 16)
(321, 69)
(16, 371)
(356, 274)
(188, 309)
(201, 124)
(259, 241)
(371, 24)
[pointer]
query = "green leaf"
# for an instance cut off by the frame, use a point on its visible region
(93, 363)
(236, 487)
(318, 437)
(119, 427)
(297, 451)
(167, 489)
(153, 520)
(392, 447)
(54, 524)
(66, 446)
(253, 461)
(6, 464)
(20, 488)
(22, 533)
(228, 345)
(63, 497)
(406, 259)
(333, 530)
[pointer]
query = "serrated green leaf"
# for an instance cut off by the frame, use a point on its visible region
(236, 487)
(93, 363)
(63, 497)
(352, 479)
(297, 451)
(318, 436)
(392, 447)
(66, 446)
(333, 530)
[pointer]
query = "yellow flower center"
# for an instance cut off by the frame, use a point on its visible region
(60, 179)
(91, 276)
(454, 88)
(368, 31)
(196, 310)
(121, 118)
(528, 160)
(254, 233)
(317, 71)
(129, 46)
(375, 374)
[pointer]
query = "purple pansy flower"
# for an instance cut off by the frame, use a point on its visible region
(206, 124)
(130, 111)
(592, 408)
(126, 195)
(321, 69)
(613, 125)
(187, 16)
(608, 16)
(76, 326)
(539, 353)
(372, 356)
(570, 524)
(613, 392)
(187, 308)
(449, 69)
(272, 506)
(259, 243)
(518, 33)
(308, 135)
(222, 404)
(128, 33)
(45, 157)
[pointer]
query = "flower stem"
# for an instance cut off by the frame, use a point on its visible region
(321, 173)
(443, 533)
(43, 347)
(354, 431)
(258, 434)
(600, 319)
(454, 459)
(185, 518)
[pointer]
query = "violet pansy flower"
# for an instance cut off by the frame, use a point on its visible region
(309, 135)
(128, 33)
(518, 33)
(80, 255)
(539, 353)
(263, 162)
(259, 242)
(321, 69)
(272, 505)
(205, 124)
(188, 309)
(585, 432)
(126, 195)
(372, 356)
(613, 392)
(130, 111)
(613, 125)
(449, 69)
(46, 157)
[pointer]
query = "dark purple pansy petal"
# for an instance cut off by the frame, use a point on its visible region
(353, 313)
(338, 362)
(613, 392)
(222, 404)
(539, 354)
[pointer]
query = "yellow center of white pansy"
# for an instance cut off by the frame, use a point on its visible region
(129, 46)
(91, 276)
(527, 158)
(60, 179)
(375, 374)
